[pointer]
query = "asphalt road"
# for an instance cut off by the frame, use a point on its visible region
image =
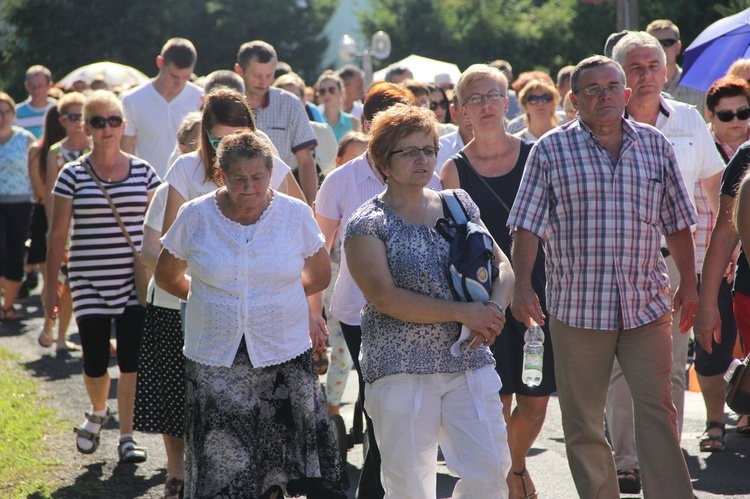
(99, 475)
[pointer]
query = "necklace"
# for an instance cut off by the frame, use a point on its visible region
(403, 217)
(99, 169)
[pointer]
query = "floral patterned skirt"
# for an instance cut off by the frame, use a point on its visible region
(251, 430)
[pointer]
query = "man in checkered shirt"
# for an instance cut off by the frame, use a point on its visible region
(280, 114)
(603, 191)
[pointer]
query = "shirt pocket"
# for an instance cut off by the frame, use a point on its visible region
(650, 200)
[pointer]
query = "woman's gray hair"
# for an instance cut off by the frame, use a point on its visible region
(243, 145)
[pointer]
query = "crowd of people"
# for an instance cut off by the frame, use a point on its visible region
(610, 194)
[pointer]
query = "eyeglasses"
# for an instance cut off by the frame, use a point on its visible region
(668, 42)
(727, 116)
(99, 122)
(412, 152)
(612, 88)
(74, 117)
(536, 99)
(443, 104)
(331, 90)
(214, 142)
(477, 99)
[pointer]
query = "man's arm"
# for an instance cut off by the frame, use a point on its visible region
(308, 177)
(127, 144)
(525, 304)
(682, 250)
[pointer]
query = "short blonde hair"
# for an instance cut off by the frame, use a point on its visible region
(477, 72)
(393, 124)
(99, 101)
(68, 100)
(740, 67)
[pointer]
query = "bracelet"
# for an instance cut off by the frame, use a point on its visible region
(499, 308)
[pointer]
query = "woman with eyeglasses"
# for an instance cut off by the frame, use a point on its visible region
(539, 99)
(15, 203)
(728, 113)
(330, 103)
(101, 263)
(417, 392)
(489, 169)
(63, 141)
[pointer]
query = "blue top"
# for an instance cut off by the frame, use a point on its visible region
(14, 168)
(344, 125)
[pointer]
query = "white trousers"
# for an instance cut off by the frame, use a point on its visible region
(619, 399)
(462, 412)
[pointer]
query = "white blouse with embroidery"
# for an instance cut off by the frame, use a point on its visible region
(246, 280)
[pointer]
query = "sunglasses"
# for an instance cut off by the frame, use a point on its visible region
(214, 142)
(99, 122)
(332, 90)
(536, 99)
(73, 117)
(727, 116)
(668, 42)
(443, 104)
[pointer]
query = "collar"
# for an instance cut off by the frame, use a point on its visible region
(629, 132)
(665, 108)
(364, 171)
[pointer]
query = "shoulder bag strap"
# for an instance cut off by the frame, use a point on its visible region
(463, 160)
(456, 209)
(89, 170)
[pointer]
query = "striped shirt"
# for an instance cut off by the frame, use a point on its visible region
(32, 118)
(604, 221)
(101, 261)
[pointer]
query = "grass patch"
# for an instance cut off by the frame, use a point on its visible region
(26, 466)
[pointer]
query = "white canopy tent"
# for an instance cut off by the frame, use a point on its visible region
(424, 69)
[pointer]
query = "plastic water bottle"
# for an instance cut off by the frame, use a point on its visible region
(533, 356)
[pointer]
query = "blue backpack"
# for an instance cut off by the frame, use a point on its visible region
(471, 270)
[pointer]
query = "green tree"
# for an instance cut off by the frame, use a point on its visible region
(530, 34)
(66, 34)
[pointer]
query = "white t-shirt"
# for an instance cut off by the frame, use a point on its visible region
(188, 176)
(449, 144)
(245, 280)
(153, 220)
(343, 191)
(154, 121)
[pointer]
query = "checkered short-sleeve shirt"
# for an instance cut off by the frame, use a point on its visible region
(604, 221)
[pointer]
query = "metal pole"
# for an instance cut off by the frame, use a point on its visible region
(627, 14)
(367, 67)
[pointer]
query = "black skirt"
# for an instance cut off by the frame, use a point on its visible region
(251, 430)
(160, 389)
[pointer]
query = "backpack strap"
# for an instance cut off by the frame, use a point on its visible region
(454, 207)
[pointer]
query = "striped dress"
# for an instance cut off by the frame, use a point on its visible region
(101, 261)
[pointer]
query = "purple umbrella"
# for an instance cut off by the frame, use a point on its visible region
(716, 48)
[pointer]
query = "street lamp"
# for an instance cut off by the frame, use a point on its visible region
(380, 47)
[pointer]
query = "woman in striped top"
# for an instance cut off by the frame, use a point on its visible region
(101, 264)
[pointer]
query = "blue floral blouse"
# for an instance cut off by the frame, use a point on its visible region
(418, 259)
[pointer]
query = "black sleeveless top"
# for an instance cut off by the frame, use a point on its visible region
(493, 214)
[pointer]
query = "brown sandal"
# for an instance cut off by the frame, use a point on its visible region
(526, 494)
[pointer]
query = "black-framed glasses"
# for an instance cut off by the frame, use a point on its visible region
(668, 42)
(413, 152)
(99, 122)
(477, 99)
(727, 116)
(331, 90)
(536, 99)
(214, 142)
(443, 104)
(612, 88)
(73, 117)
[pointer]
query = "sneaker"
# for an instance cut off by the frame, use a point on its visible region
(29, 283)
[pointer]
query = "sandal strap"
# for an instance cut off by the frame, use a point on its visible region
(85, 433)
(710, 425)
(98, 419)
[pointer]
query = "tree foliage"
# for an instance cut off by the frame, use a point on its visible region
(66, 34)
(530, 34)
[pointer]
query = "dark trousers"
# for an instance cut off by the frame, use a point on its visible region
(369, 479)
